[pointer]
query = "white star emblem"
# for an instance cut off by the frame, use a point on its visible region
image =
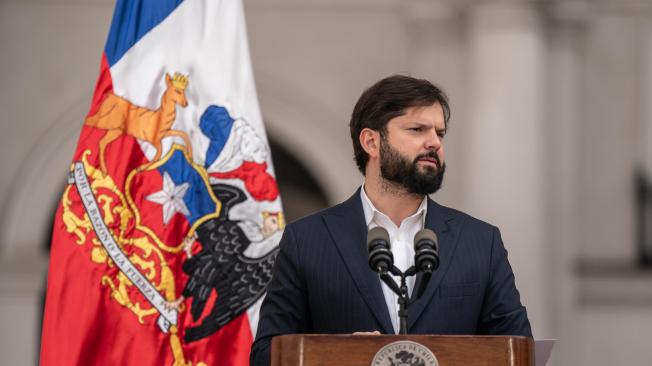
(171, 197)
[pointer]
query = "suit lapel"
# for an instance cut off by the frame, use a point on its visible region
(445, 228)
(349, 232)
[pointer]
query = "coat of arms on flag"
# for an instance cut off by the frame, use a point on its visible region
(167, 231)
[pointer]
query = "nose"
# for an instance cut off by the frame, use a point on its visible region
(433, 142)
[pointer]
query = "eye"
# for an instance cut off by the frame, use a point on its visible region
(416, 129)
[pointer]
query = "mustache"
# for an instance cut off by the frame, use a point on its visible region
(429, 155)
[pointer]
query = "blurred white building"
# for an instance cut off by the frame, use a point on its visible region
(551, 126)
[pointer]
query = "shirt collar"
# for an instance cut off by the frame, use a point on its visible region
(370, 210)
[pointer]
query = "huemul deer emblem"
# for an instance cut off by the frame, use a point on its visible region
(117, 115)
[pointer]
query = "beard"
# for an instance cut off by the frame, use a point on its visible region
(396, 168)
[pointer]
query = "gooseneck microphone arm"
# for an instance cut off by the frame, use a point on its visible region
(402, 292)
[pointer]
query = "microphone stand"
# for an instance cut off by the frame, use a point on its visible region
(402, 292)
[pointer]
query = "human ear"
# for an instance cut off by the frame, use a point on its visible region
(370, 142)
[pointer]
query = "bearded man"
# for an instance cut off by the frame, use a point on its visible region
(322, 282)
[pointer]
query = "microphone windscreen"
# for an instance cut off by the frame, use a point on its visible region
(380, 255)
(426, 234)
(377, 233)
(426, 258)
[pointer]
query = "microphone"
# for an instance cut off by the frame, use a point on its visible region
(426, 256)
(381, 258)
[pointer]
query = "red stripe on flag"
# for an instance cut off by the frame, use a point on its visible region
(227, 347)
(103, 86)
(78, 301)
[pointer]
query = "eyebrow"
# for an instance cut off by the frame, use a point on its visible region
(423, 124)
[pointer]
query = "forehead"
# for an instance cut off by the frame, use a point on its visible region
(430, 115)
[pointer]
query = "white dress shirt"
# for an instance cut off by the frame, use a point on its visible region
(402, 245)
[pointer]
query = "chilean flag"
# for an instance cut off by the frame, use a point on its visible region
(170, 190)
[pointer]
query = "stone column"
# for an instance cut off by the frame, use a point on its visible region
(644, 143)
(645, 107)
(436, 51)
(507, 118)
(567, 27)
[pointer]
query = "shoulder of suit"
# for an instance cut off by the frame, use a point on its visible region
(460, 217)
(314, 218)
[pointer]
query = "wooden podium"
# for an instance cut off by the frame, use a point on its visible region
(354, 350)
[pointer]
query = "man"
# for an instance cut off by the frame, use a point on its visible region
(322, 282)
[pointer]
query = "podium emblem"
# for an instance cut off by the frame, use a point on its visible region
(404, 353)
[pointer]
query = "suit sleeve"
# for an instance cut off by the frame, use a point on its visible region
(284, 310)
(502, 312)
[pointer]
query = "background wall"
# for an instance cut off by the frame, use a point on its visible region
(552, 122)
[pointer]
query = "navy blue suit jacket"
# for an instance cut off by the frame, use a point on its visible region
(322, 282)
